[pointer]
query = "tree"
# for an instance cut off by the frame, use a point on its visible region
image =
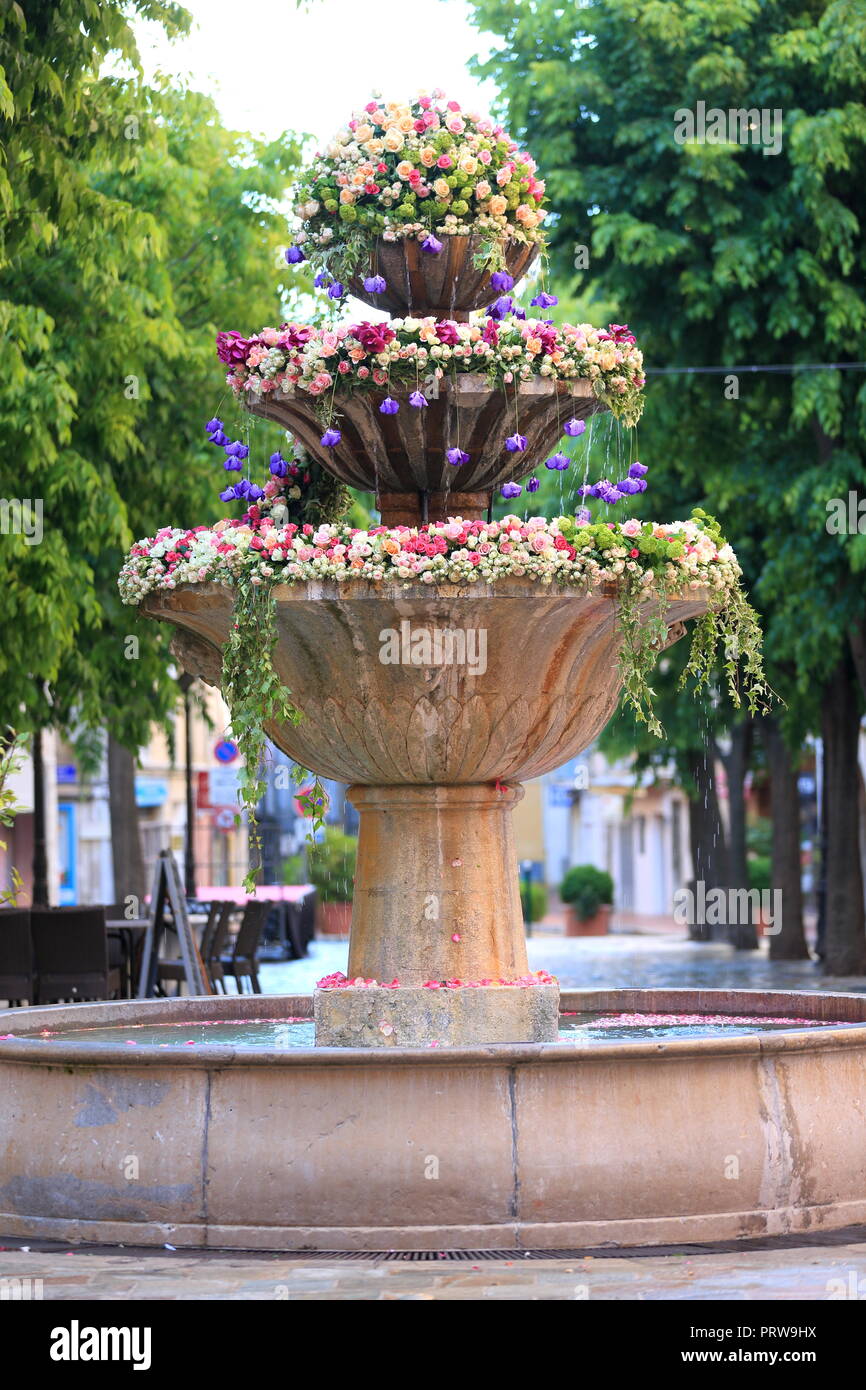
(727, 254)
(135, 223)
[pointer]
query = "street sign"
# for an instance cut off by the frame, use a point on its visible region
(224, 818)
(226, 751)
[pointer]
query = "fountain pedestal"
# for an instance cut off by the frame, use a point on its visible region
(436, 900)
(437, 894)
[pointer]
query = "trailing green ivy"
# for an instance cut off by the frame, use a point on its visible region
(256, 696)
(733, 625)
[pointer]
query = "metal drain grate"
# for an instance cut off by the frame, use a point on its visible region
(429, 1256)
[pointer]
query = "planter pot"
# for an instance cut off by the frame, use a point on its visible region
(448, 285)
(596, 925)
(334, 919)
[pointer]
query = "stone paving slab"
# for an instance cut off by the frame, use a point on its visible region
(812, 1273)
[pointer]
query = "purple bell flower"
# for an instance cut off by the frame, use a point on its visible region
(213, 425)
(628, 486)
(242, 488)
(574, 427)
(457, 457)
(519, 313)
(431, 245)
(232, 465)
(237, 450)
(321, 279)
(586, 490)
(637, 470)
(502, 306)
(641, 484)
(220, 438)
(255, 492)
(228, 495)
(533, 485)
(418, 399)
(279, 467)
(337, 290)
(607, 492)
(389, 406)
(501, 280)
(583, 514)
(375, 284)
(558, 461)
(510, 490)
(515, 444)
(294, 255)
(544, 301)
(331, 438)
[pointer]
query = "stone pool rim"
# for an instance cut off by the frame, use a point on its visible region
(825, 1007)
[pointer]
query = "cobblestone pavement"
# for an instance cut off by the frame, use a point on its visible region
(607, 962)
(813, 1273)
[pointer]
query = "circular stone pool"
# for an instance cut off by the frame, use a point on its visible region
(659, 1116)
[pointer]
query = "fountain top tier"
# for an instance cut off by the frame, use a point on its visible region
(449, 284)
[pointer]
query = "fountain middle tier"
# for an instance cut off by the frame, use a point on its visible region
(402, 457)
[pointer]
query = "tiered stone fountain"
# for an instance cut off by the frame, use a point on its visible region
(434, 755)
(431, 1118)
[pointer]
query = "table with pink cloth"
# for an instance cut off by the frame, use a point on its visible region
(285, 895)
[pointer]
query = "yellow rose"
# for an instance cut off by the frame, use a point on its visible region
(428, 156)
(468, 164)
(405, 168)
(374, 147)
(363, 132)
(393, 140)
(497, 205)
(441, 189)
(347, 196)
(405, 123)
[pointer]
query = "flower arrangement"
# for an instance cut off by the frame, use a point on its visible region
(298, 490)
(568, 551)
(423, 169)
(419, 352)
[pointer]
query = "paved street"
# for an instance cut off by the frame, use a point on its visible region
(813, 1273)
(608, 962)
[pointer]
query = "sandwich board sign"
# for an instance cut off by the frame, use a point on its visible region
(167, 893)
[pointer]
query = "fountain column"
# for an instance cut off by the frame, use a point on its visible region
(436, 890)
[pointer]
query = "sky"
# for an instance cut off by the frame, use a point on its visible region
(271, 66)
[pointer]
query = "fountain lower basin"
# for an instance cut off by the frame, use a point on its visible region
(580, 1143)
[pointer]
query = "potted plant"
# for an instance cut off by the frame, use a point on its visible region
(588, 891)
(331, 868)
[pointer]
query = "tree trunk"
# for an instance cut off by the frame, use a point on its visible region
(857, 637)
(742, 935)
(126, 853)
(789, 943)
(707, 839)
(845, 938)
(40, 848)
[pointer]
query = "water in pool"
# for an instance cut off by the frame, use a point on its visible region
(575, 1028)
